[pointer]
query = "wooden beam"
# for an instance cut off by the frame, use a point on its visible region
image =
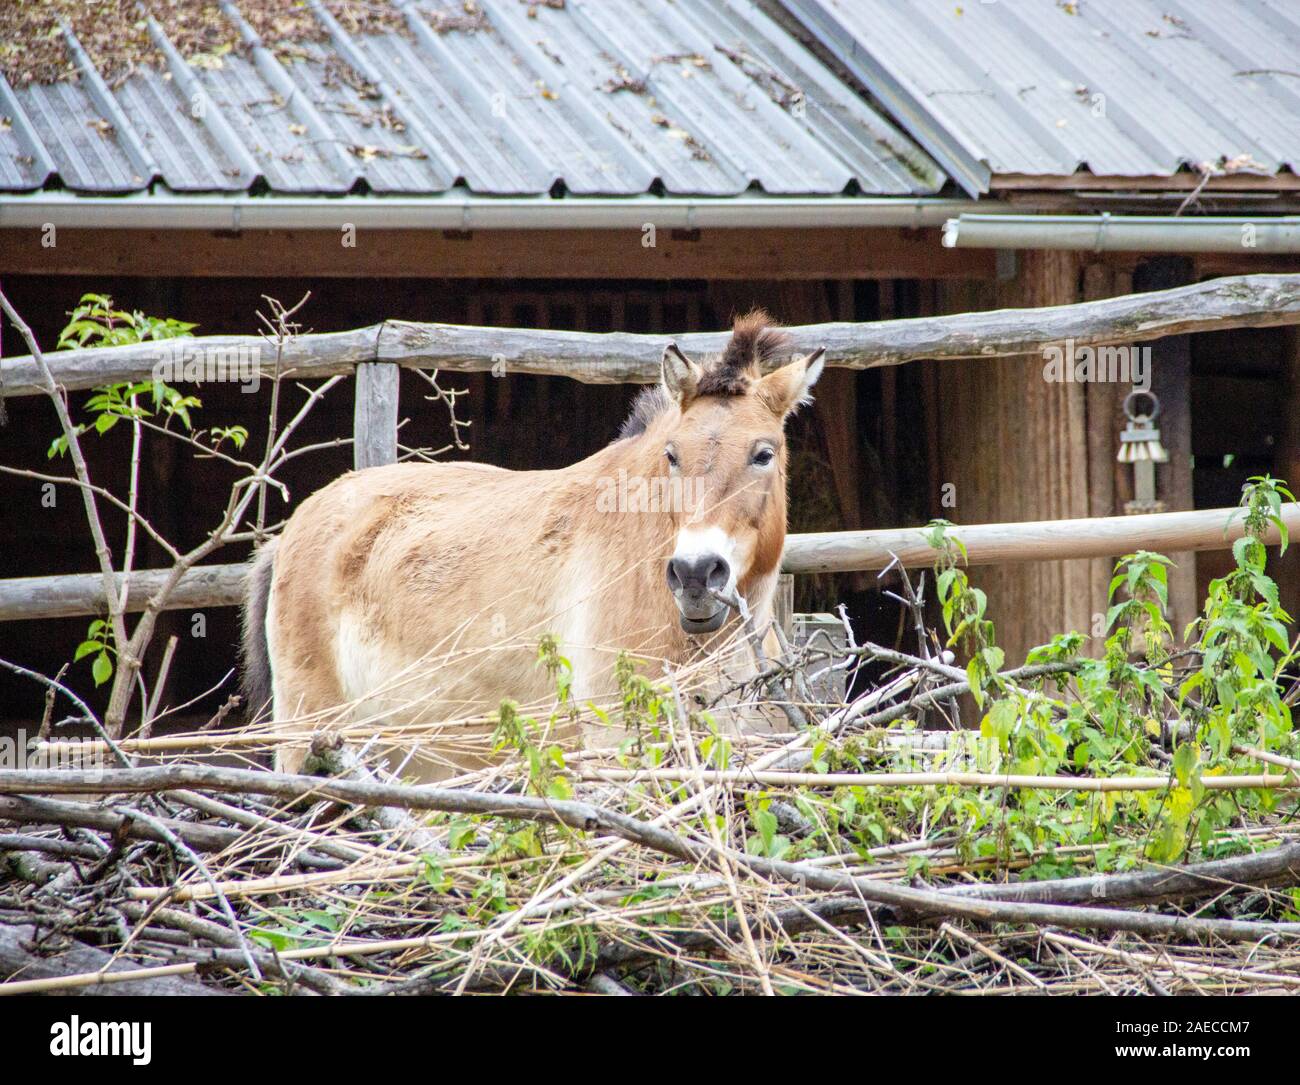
(80, 594)
(1032, 541)
(1014, 449)
(825, 253)
(374, 420)
(1286, 464)
(1248, 301)
(1171, 380)
(76, 594)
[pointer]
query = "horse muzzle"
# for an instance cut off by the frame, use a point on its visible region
(710, 624)
(695, 582)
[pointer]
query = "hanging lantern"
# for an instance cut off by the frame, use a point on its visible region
(1139, 444)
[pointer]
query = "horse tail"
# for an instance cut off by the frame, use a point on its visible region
(255, 672)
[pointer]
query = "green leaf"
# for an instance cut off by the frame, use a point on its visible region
(102, 669)
(1185, 759)
(973, 677)
(460, 834)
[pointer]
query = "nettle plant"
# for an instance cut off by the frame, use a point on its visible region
(1142, 706)
(963, 609)
(1211, 702)
(1234, 696)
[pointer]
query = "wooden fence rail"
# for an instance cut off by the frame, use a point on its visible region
(375, 352)
(1244, 301)
(839, 551)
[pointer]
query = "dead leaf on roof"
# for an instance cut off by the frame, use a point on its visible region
(469, 20)
(675, 132)
(368, 152)
(208, 62)
(369, 17)
(694, 59)
(1243, 163)
(623, 81)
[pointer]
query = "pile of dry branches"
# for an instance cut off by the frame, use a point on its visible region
(169, 872)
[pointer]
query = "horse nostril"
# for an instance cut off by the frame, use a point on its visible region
(698, 574)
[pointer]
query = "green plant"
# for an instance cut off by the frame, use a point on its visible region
(99, 643)
(1208, 700)
(95, 322)
(1243, 641)
(964, 609)
(544, 762)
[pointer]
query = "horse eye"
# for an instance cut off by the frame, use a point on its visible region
(763, 457)
(672, 457)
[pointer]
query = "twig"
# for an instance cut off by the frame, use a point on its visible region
(588, 817)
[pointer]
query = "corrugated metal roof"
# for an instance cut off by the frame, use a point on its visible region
(1129, 88)
(595, 97)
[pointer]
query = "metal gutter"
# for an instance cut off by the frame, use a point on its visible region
(1125, 233)
(168, 211)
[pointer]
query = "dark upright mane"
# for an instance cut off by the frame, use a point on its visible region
(755, 343)
(649, 404)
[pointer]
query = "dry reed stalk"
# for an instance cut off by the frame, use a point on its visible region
(933, 779)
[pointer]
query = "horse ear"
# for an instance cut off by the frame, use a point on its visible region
(790, 386)
(681, 376)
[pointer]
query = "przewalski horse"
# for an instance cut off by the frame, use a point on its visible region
(407, 601)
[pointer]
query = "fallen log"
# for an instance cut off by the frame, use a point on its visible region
(39, 810)
(1278, 866)
(1243, 301)
(21, 960)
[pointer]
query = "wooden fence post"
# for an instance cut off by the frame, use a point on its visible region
(374, 422)
(783, 604)
(1171, 379)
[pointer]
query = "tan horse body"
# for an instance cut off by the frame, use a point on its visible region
(409, 600)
